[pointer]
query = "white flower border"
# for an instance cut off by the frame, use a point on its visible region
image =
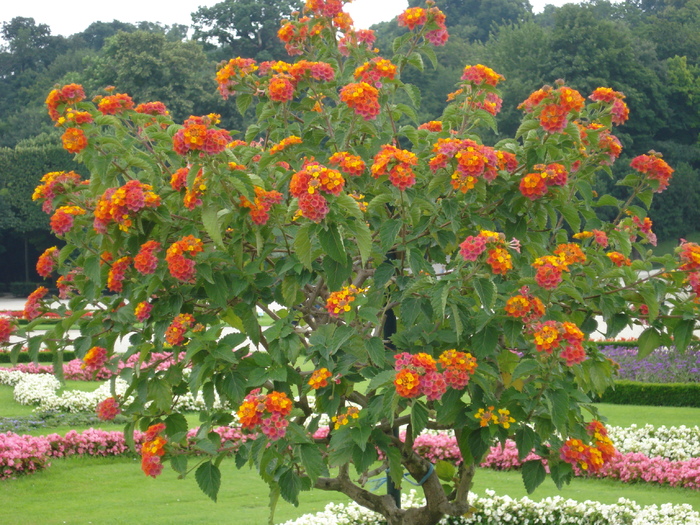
(493, 509)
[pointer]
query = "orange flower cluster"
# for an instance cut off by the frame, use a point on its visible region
(417, 374)
(343, 419)
(362, 98)
(552, 335)
(6, 329)
(689, 254)
(413, 17)
(95, 359)
(417, 16)
(497, 256)
(32, 308)
(589, 458)
(644, 227)
(281, 88)
(654, 167)
(473, 161)
(535, 185)
(397, 164)
(74, 140)
(525, 306)
(152, 108)
(66, 96)
(599, 237)
(152, 450)
(181, 267)
(113, 104)
(487, 416)
(480, 74)
(178, 181)
(374, 71)
(107, 409)
(175, 333)
(115, 277)
(434, 125)
(284, 144)
(146, 261)
(340, 302)
(319, 378)
(75, 117)
(229, 76)
(260, 207)
(118, 204)
(143, 311)
(63, 218)
(307, 185)
(362, 38)
(618, 259)
(52, 184)
(618, 109)
(553, 106)
(549, 271)
(571, 253)
(327, 8)
(47, 261)
(349, 164)
(294, 35)
(266, 411)
(63, 283)
(197, 135)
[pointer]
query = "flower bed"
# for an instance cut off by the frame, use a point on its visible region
(503, 509)
(663, 365)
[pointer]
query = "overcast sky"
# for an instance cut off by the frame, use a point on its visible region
(67, 18)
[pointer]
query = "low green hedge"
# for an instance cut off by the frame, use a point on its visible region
(653, 394)
(44, 357)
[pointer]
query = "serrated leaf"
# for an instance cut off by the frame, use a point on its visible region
(210, 220)
(381, 379)
(419, 418)
(559, 400)
(486, 290)
(413, 93)
(525, 440)
(208, 478)
(534, 474)
(388, 232)
(349, 206)
(363, 237)
(446, 471)
(243, 102)
(572, 217)
(430, 53)
(682, 334)
(302, 246)
(332, 243)
(648, 341)
(312, 461)
(376, 351)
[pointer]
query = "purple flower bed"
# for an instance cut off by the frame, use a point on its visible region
(661, 366)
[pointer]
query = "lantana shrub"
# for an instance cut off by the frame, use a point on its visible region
(443, 282)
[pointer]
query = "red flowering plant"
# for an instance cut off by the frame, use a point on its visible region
(340, 216)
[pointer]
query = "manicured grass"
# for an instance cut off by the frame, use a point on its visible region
(8, 406)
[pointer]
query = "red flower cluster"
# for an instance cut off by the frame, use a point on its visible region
(113, 104)
(52, 184)
(146, 261)
(355, 39)
(175, 333)
(152, 450)
(397, 164)
(362, 98)
(417, 16)
(551, 335)
(32, 308)
(63, 218)
(143, 311)
(74, 140)
(108, 409)
(115, 278)
(47, 261)
(480, 74)
(553, 106)
(618, 109)
(281, 88)
(525, 306)
(266, 411)
(230, 75)
(644, 226)
(95, 359)
(375, 70)
(535, 185)
(549, 271)
(589, 457)
(7, 326)
(497, 257)
(327, 8)
(63, 283)
(284, 144)
(348, 163)
(307, 185)
(434, 125)
(417, 374)
(339, 302)
(118, 204)
(319, 378)
(619, 259)
(599, 237)
(262, 204)
(294, 35)
(66, 96)
(413, 17)
(473, 161)
(198, 135)
(689, 254)
(655, 168)
(152, 108)
(178, 181)
(181, 267)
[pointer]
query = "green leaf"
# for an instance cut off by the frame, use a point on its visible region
(486, 290)
(210, 220)
(179, 464)
(533, 475)
(363, 237)
(208, 478)
(349, 206)
(413, 93)
(159, 392)
(332, 243)
(525, 439)
(388, 232)
(484, 342)
(416, 60)
(559, 400)
(648, 341)
(243, 102)
(381, 379)
(302, 245)
(683, 333)
(92, 269)
(395, 467)
(312, 461)
(446, 471)
(176, 424)
(336, 273)
(419, 418)
(383, 274)
(572, 217)
(376, 351)
(430, 53)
